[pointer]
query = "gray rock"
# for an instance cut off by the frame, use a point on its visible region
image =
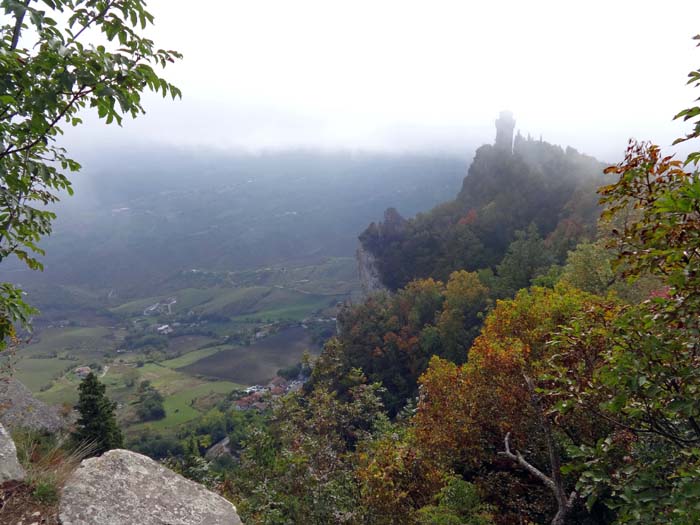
(20, 409)
(10, 469)
(368, 272)
(125, 488)
(218, 450)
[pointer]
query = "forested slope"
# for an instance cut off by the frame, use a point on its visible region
(539, 185)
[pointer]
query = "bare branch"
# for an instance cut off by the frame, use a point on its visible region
(520, 460)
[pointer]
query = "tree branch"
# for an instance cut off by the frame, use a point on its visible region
(554, 482)
(518, 458)
(9, 151)
(18, 26)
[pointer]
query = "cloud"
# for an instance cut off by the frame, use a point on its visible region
(416, 74)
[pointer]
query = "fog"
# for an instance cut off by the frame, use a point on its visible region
(413, 75)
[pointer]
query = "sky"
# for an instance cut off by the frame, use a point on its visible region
(429, 75)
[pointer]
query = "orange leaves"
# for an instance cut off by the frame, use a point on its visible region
(396, 478)
(464, 412)
(469, 218)
(446, 412)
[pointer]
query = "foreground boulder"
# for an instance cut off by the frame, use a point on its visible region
(20, 409)
(10, 469)
(125, 488)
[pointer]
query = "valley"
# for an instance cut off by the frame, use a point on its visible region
(204, 291)
(220, 333)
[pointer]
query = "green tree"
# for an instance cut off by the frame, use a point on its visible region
(58, 57)
(150, 405)
(647, 467)
(97, 423)
(526, 258)
(458, 503)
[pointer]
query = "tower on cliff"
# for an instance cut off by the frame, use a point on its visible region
(505, 124)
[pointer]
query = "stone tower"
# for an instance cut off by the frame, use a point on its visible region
(505, 124)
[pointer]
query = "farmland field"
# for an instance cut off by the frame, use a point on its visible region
(179, 407)
(258, 362)
(228, 330)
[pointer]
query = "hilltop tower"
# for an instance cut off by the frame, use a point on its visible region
(505, 124)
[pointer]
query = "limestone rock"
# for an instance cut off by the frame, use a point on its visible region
(20, 409)
(125, 488)
(219, 449)
(10, 469)
(368, 273)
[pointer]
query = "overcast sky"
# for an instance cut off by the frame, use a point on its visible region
(416, 75)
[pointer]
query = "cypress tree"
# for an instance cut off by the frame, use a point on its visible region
(97, 423)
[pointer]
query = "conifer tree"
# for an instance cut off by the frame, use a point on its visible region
(97, 423)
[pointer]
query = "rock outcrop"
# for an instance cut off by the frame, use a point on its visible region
(10, 469)
(369, 275)
(126, 488)
(219, 449)
(20, 409)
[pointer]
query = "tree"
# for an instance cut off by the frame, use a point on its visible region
(647, 466)
(493, 408)
(527, 257)
(465, 300)
(50, 71)
(458, 503)
(649, 371)
(97, 424)
(150, 405)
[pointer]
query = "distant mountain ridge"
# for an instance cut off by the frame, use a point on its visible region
(135, 221)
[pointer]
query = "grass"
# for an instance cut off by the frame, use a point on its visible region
(48, 463)
(187, 298)
(332, 276)
(296, 311)
(86, 341)
(61, 392)
(185, 343)
(178, 406)
(37, 373)
(235, 301)
(193, 357)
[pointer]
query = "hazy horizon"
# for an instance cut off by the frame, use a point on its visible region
(412, 76)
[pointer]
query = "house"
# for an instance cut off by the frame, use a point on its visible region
(254, 400)
(164, 329)
(82, 371)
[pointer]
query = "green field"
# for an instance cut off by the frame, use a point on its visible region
(187, 298)
(259, 302)
(38, 373)
(198, 367)
(193, 357)
(178, 407)
(84, 341)
(297, 311)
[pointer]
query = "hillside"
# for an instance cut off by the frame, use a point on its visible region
(506, 190)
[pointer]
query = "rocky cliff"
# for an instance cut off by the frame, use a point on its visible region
(20, 409)
(367, 268)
